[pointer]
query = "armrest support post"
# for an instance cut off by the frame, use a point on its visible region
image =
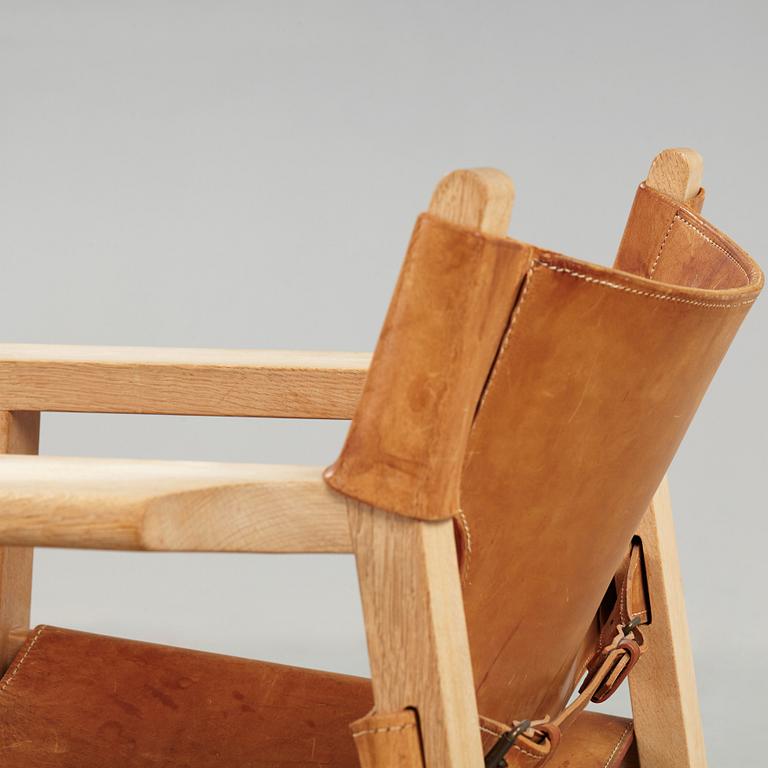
(416, 630)
(19, 433)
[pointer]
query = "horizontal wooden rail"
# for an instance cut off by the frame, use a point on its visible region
(168, 506)
(194, 382)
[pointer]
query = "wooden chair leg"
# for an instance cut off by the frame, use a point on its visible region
(416, 630)
(665, 703)
(19, 433)
(408, 569)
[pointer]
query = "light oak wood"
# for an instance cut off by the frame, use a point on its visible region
(479, 198)
(416, 630)
(169, 506)
(677, 173)
(203, 382)
(19, 433)
(665, 703)
(408, 569)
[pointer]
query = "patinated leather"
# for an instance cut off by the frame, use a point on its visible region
(448, 313)
(586, 397)
(390, 739)
(594, 740)
(76, 700)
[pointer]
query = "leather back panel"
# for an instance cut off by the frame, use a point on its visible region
(539, 400)
(598, 377)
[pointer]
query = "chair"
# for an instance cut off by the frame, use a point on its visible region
(501, 486)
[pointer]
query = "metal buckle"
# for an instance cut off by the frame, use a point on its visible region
(497, 753)
(631, 625)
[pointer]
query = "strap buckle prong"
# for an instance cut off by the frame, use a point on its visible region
(631, 625)
(495, 756)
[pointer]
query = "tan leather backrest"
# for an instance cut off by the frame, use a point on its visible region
(539, 400)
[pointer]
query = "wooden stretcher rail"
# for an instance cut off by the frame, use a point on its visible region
(168, 506)
(194, 382)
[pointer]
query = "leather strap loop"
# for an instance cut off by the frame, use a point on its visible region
(390, 739)
(622, 645)
(553, 735)
(523, 744)
(615, 676)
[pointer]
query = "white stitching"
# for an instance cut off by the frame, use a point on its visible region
(618, 746)
(519, 748)
(526, 752)
(678, 217)
(508, 333)
(23, 658)
(638, 292)
(716, 245)
(663, 243)
(468, 536)
(596, 281)
(389, 729)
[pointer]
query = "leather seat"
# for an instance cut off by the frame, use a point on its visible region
(77, 699)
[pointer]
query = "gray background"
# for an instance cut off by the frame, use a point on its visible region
(246, 174)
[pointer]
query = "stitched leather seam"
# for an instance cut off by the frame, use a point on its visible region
(661, 247)
(508, 333)
(468, 536)
(389, 729)
(23, 658)
(677, 217)
(623, 606)
(719, 247)
(514, 746)
(618, 745)
(650, 294)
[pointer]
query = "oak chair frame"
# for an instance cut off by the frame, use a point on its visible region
(411, 593)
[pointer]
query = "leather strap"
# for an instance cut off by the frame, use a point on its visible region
(531, 746)
(622, 627)
(389, 739)
(392, 739)
(533, 743)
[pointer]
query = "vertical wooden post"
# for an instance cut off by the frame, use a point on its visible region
(665, 703)
(408, 569)
(19, 433)
(416, 630)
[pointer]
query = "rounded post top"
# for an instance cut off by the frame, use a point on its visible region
(677, 173)
(476, 198)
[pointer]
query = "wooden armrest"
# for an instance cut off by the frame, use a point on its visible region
(168, 506)
(195, 382)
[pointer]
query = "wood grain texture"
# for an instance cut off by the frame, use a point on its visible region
(204, 382)
(19, 433)
(416, 630)
(677, 173)
(665, 702)
(168, 506)
(408, 568)
(478, 198)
